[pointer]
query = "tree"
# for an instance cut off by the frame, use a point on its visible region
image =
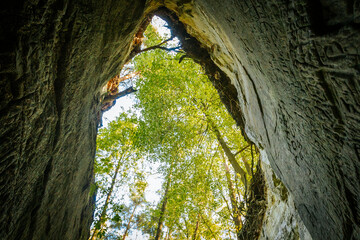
(180, 109)
(183, 126)
(137, 198)
(163, 207)
(236, 215)
(114, 168)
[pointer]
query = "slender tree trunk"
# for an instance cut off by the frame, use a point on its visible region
(252, 160)
(231, 157)
(207, 225)
(168, 234)
(247, 166)
(106, 204)
(163, 209)
(196, 227)
(227, 150)
(187, 228)
(182, 230)
(129, 223)
(234, 203)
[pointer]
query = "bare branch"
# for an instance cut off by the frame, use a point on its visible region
(110, 98)
(159, 46)
(128, 76)
(241, 150)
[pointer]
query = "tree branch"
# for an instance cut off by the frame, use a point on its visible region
(158, 46)
(110, 98)
(127, 76)
(207, 225)
(241, 150)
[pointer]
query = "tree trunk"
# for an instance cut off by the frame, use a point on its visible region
(238, 169)
(163, 209)
(234, 203)
(196, 227)
(207, 225)
(247, 166)
(230, 156)
(106, 204)
(168, 234)
(129, 223)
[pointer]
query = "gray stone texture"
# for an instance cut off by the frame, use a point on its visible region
(53, 64)
(281, 220)
(294, 63)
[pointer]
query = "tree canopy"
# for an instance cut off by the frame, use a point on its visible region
(178, 124)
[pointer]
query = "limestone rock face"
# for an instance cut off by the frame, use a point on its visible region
(294, 64)
(55, 57)
(281, 220)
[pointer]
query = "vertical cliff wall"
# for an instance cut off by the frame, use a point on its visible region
(294, 64)
(281, 220)
(55, 56)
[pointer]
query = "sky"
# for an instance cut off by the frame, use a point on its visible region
(125, 104)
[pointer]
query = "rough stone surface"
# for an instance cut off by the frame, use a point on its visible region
(294, 63)
(281, 220)
(53, 63)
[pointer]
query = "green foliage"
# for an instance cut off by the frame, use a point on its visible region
(179, 110)
(177, 104)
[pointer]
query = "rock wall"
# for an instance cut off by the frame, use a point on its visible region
(294, 63)
(281, 220)
(55, 57)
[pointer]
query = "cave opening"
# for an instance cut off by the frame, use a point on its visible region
(295, 66)
(176, 124)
